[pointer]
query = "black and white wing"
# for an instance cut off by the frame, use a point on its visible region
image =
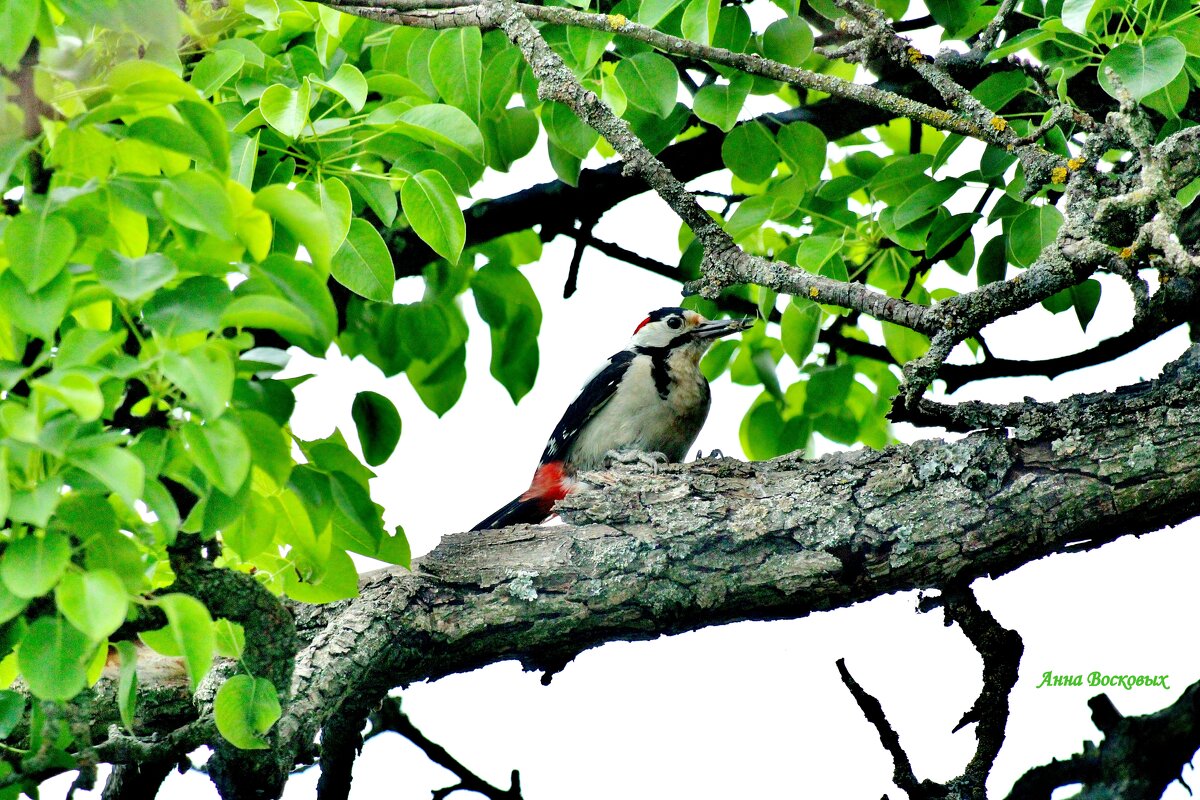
(595, 395)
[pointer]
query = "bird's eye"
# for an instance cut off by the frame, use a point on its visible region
(674, 322)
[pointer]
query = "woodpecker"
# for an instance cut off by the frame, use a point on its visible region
(651, 398)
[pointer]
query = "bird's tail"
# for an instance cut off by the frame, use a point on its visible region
(521, 510)
(550, 484)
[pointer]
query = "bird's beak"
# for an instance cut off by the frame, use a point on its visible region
(717, 328)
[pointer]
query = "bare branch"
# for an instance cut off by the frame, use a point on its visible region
(902, 774)
(389, 717)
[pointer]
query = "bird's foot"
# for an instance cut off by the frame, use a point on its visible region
(651, 460)
(714, 454)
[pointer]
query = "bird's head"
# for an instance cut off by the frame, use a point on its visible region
(678, 327)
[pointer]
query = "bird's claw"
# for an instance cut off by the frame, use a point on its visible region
(651, 460)
(713, 454)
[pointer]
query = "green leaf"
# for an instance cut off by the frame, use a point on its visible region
(133, 278)
(827, 389)
(194, 305)
(433, 213)
(5, 494)
(37, 313)
(38, 247)
(348, 82)
(53, 659)
(993, 261)
(509, 135)
(171, 135)
(440, 384)
(1058, 302)
(12, 709)
(721, 104)
(1171, 100)
(995, 91)
(301, 216)
(378, 425)
(1031, 232)
(455, 66)
(198, 201)
(363, 263)
(651, 12)
(205, 374)
(1077, 13)
(115, 467)
(117, 552)
(191, 629)
(952, 14)
(749, 152)
(788, 41)
(439, 124)
(75, 390)
(1085, 297)
(764, 432)
(245, 709)
(395, 549)
(1022, 41)
(215, 69)
(803, 149)
(568, 131)
(220, 450)
(127, 683)
(650, 82)
(266, 311)
(945, 231)
(700, 19)
(1142, 67)
(904, 344)
(230, 638)
(18, 21)
(286, 109)
(924, 200)
(95, 602)
(899, 178)
(333, 198)
(304, 288)
(507, 302)
(339, 581)
(10, 604)
(378, 195)
(799, 329)
(33, 565)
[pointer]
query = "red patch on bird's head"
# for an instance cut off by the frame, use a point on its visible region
(641, 325)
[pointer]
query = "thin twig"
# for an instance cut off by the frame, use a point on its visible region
(389, 717)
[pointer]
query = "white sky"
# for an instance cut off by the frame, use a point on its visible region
(751, 709)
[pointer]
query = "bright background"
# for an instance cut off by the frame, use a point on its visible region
(750, 709)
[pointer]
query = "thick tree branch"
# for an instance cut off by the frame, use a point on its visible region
(1137, 760)
(719, 540)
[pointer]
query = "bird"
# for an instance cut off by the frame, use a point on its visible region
(649, 398)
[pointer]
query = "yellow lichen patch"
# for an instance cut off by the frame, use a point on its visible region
(1126, 252)
(915, 55)
(998, 124)
(1058, 175)
(1075, 163)
(617, 21)
(813, 292)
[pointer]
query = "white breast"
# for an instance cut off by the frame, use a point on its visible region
(639, 418)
